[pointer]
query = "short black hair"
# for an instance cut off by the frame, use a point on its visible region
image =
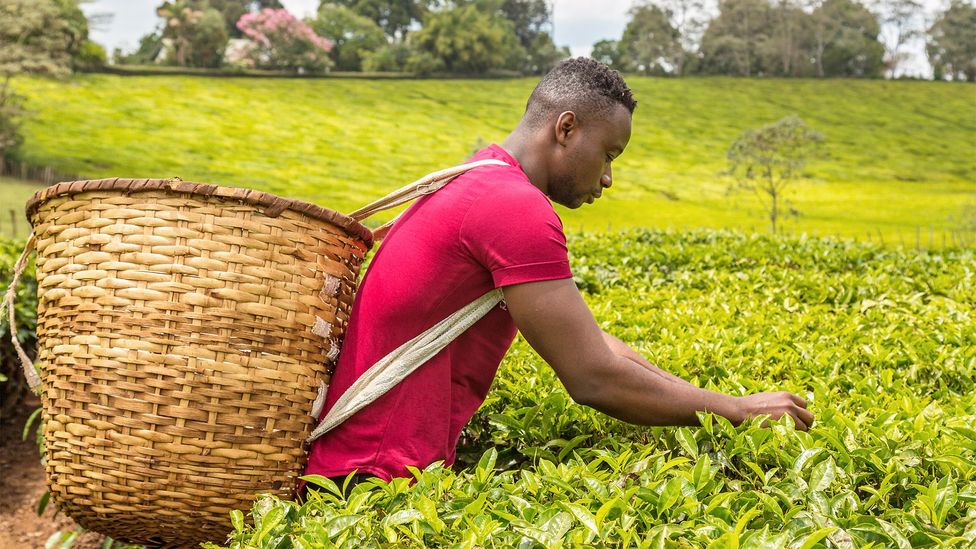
(582, 85)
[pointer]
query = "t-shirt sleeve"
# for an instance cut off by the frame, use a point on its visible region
(517, 236)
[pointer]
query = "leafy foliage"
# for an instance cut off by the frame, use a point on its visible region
(280, 41)
(12, 382)
(352, 35)
(768, 159)
(468, 39)
(752, 38)
(650, 44)
(36, 37)
(952, 48)
(881, 343)
(195, 32)
(394, 16)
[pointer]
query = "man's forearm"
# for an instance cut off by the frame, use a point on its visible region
(644, 394)
(622, 349)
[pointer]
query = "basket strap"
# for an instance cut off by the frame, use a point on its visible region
(396, 366)
(425, 185)
(33, 380)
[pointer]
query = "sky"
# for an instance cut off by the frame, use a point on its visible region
(578, 24)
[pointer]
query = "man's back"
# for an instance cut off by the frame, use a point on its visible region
(488, 228)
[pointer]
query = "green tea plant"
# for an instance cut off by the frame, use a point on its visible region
(882, 343)
(12, 383)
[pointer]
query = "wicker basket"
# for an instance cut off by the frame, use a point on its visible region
(184, 330)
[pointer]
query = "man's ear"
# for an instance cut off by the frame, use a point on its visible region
(565, 124)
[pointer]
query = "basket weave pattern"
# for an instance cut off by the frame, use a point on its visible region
(183, 333)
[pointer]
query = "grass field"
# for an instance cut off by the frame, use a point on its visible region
(13, 194)
(901, 155)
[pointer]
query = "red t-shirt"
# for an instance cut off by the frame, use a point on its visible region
(488, 228)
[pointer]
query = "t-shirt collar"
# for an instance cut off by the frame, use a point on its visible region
(499, 152)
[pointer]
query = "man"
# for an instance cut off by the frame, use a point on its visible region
(494, 227)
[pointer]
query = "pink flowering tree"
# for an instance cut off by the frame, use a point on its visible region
(280, 41)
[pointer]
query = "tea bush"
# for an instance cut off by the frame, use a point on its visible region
(12, 382)
(881, 342)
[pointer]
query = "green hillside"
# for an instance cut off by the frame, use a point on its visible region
(901, 155)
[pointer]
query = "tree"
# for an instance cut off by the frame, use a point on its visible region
(608, 53)
(529, 21)
(532, 22)
(208, 40)
(389, 58)
(542, 55)
(901, 22)
(846, 40)
(650, 43)
(394, 16)
(766, 160)
(352, 35)
(787, 50)
(469, 40)
(232, 10)
(279, 41)
(733, 41)
(689, 18)
(35, 38)
(196, 32)
(150, 47)
(952, 43)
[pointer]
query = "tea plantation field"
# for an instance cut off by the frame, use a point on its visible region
(882, 344)
(900, 155)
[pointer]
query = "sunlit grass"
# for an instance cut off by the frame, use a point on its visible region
(900, 155)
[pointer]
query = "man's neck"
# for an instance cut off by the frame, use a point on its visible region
(522, 148)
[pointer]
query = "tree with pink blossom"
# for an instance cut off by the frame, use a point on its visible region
(280, 41)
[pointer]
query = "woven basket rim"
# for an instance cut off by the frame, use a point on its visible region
(273, 205)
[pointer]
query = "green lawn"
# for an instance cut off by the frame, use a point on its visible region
(13, 195)
(901, 155)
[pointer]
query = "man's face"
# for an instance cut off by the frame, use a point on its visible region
(582, 168)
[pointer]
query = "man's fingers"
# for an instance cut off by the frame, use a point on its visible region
(806, 416)
(798, 400)
(800, 424)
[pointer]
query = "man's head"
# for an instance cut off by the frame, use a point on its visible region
(580, 114)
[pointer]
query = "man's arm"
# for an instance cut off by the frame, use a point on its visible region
(606, 374)
(622, 349)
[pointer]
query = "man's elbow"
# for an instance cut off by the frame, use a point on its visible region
(592, 388)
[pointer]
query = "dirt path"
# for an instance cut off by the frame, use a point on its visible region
(22, 484)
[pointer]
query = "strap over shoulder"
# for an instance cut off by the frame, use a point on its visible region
(425, 185)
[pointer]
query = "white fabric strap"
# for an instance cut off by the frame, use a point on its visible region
(425, 185)
(396, 366)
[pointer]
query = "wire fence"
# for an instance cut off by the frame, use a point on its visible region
(14, 224)
(28, 172)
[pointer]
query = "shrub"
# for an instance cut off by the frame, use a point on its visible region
(389, 58)
(90, 56)
(279, 41)
(12, 383)
(880, 342)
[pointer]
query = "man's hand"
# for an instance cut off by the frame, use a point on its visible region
(774, 405)
(602, 372)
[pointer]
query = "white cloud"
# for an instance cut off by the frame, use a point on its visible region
(581, 23)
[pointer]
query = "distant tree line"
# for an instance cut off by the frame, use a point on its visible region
(791, 38)
(419, 36)
(43, 37)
